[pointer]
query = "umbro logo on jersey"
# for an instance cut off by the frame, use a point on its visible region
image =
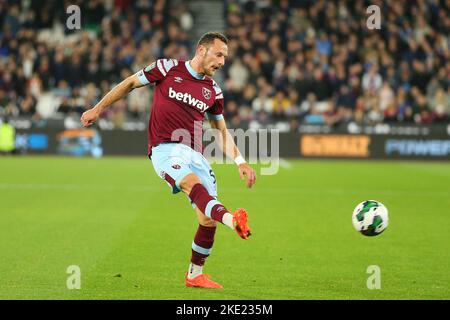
(187, 98)
(178, 79)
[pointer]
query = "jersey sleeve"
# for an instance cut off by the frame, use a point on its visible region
(156, 71)
(216, 111)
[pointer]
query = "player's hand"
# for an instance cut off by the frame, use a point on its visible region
(246, 172)
(89, 117)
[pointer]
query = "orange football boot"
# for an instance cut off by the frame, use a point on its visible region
(202, 281)
(240, 217)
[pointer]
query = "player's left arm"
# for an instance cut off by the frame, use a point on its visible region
(230, 149)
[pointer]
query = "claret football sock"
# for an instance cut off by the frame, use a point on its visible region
(201, 248)
(210, 206)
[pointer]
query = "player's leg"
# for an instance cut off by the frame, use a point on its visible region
(202, 244)
(201, 249)
(201, 188)
(203, 184)
(173, 163)
(188, 171)
(203, 200)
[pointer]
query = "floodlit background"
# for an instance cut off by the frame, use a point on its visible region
(360, 99)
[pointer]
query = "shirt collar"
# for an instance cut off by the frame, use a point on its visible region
(193, 72)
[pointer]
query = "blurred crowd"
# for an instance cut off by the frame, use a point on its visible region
(296, 62)
(317, 62)
(43, 61)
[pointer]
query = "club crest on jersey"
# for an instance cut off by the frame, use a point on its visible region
(206, 93)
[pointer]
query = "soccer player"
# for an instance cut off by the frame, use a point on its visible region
(184, 94)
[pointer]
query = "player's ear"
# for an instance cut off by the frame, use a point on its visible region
(201, 49)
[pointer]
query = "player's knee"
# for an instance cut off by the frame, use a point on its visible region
(189, 182)
(207, 222)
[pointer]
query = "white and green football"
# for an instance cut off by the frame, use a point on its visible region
(370, 218)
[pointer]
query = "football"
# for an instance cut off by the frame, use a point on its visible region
(370, 218)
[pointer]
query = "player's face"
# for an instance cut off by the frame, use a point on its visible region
(214, 57)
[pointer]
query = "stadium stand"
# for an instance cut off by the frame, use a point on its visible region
(291, 62)
(316, 62)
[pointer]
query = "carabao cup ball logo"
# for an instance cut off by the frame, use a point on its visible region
(206, 93)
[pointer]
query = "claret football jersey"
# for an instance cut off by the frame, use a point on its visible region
(180, 101)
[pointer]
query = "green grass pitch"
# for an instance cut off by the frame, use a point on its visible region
(117, 221)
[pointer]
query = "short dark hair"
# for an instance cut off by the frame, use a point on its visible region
(209, 37)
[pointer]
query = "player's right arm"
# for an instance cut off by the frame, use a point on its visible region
(116, 93)
(153, 73)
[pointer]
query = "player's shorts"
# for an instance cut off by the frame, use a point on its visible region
(174, 161)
